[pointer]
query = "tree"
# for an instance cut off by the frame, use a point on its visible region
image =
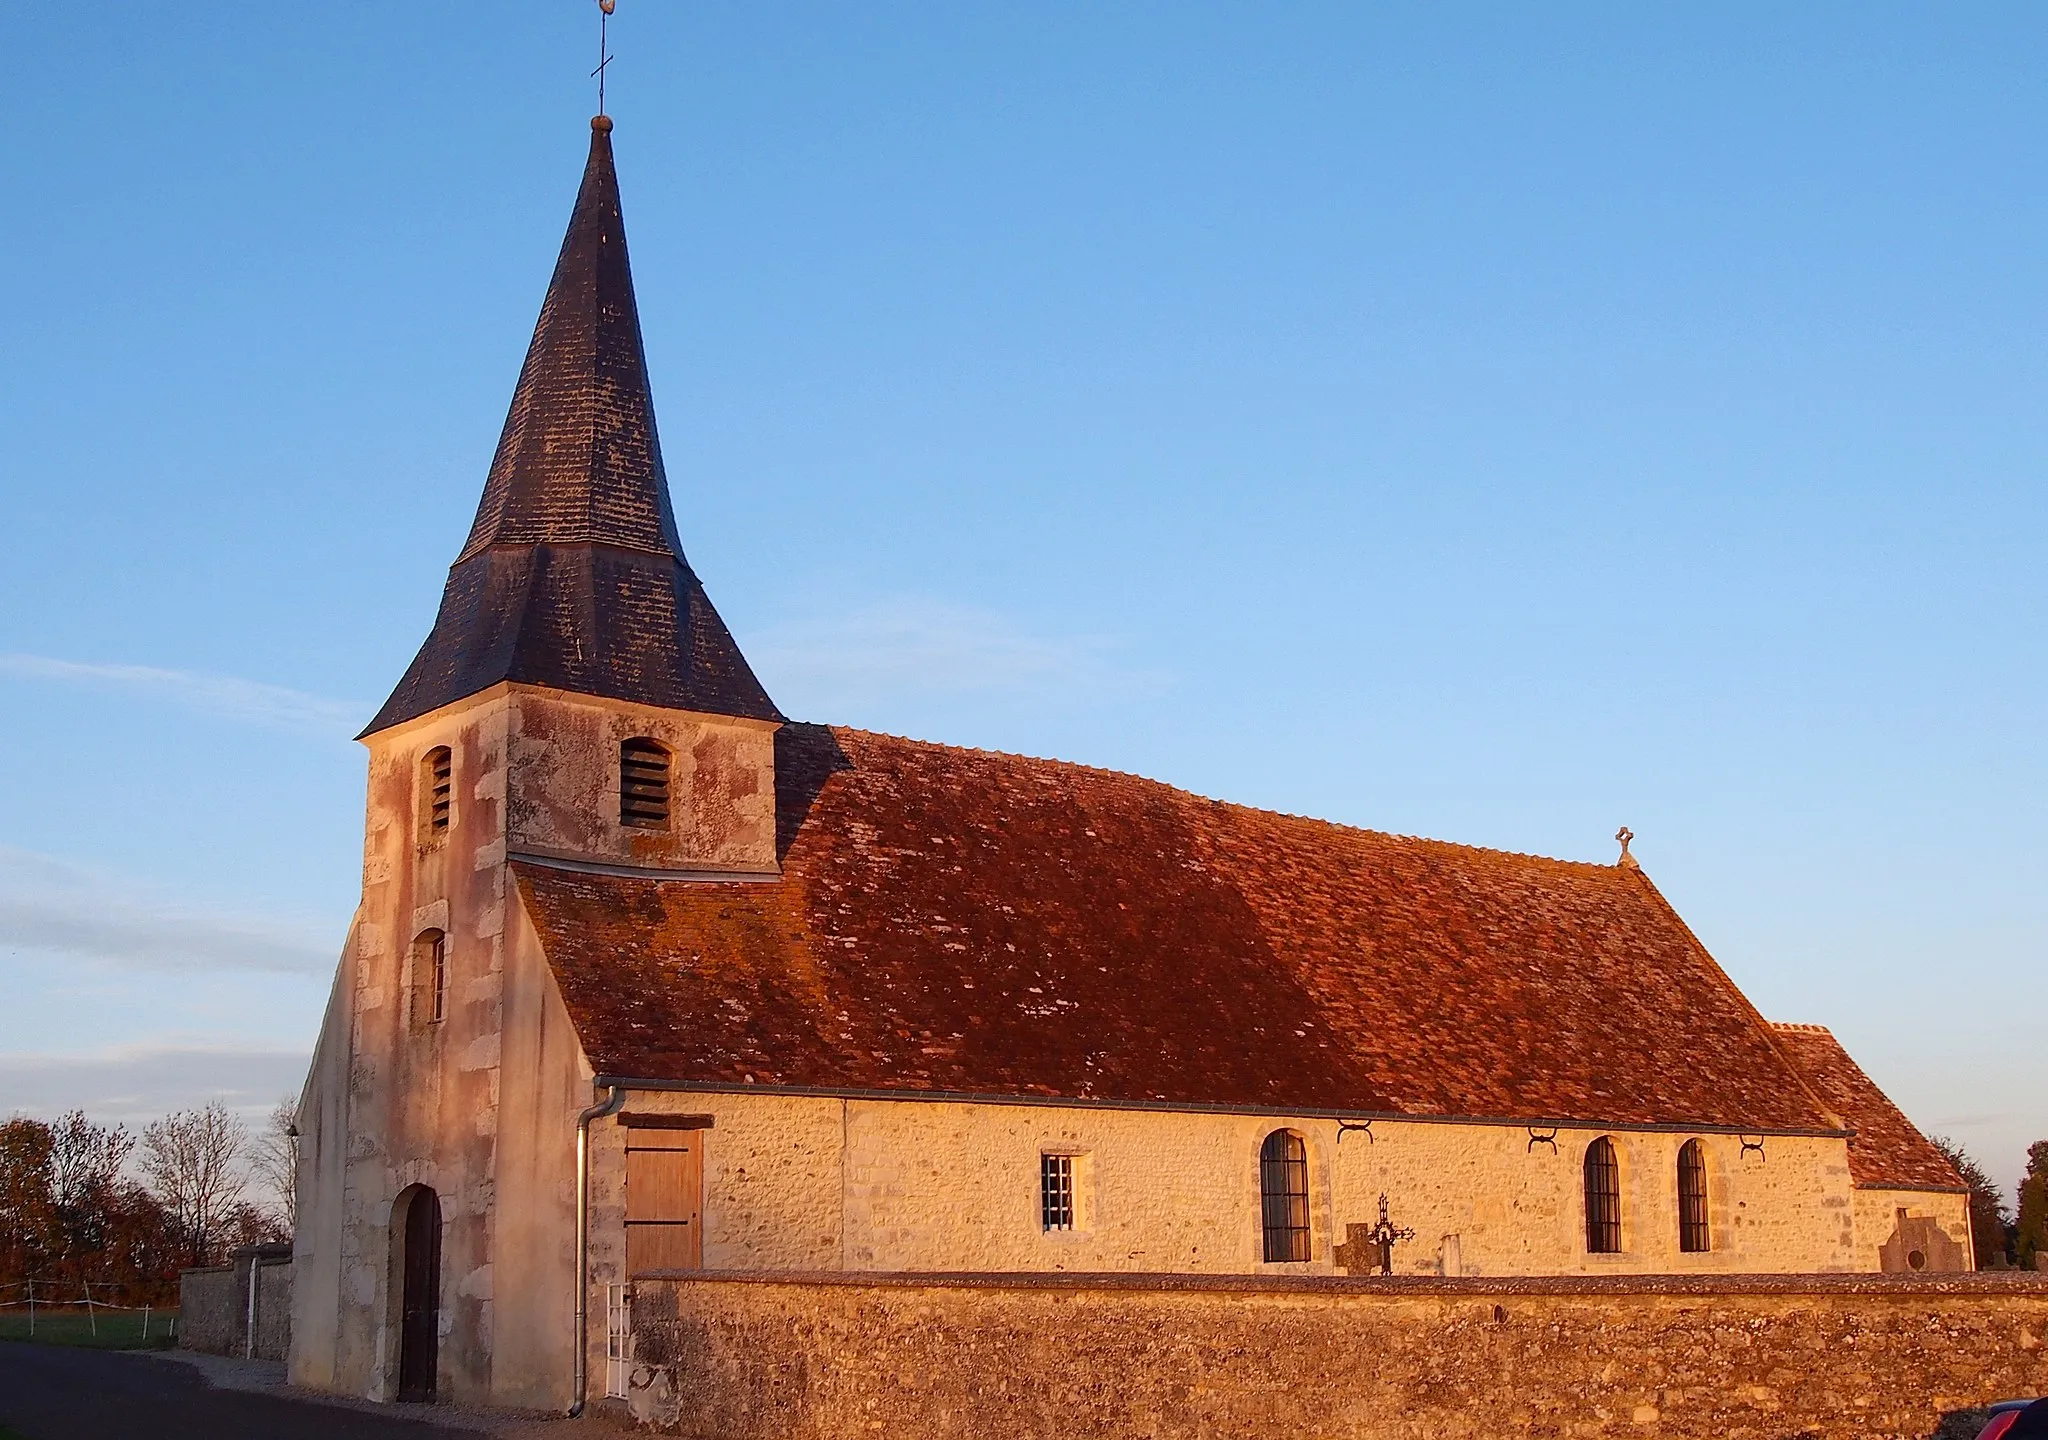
(247, 1224)
(85, 1175)
(191, 1160)
(276, 1159)
(31, 1237)
(68, 1216)
(143, 1251)
(1989, 1213)
(2032, 1239)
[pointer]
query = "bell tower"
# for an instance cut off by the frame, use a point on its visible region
(578, 704)
(636, 734)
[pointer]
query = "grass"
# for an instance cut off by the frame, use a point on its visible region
(116, 1329)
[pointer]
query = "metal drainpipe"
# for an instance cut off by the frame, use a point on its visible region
(580, 1385)
(249, 1350)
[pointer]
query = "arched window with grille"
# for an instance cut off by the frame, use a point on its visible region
(643, 784)
(437, 793)
(429, 979)
(1283, 1195)
(1603, 1198)
(1693, 1235)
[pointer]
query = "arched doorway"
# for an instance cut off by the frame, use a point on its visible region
(419, 1289)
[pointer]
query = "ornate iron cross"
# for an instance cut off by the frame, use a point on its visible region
(1384, 1234)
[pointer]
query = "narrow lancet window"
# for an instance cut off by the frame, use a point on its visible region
(437, 776)
(429, 979)
(1283, 1195)
(643, 784)
(1693, 1235)
(1603, 1198)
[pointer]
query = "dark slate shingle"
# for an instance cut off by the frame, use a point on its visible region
(573, 575)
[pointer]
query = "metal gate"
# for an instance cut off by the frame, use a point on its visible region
(618, 1339)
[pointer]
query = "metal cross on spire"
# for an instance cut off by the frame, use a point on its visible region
(604, 54)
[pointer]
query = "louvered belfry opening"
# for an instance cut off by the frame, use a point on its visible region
(643, 784)
(1283, 1193)
(437, 776)
(1603, 1198)
(1693, 1235)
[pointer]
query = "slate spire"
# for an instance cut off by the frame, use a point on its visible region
(573, 576)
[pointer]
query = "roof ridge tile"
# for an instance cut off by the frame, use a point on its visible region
(1196, 796)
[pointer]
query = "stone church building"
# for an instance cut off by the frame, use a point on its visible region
(649, 980)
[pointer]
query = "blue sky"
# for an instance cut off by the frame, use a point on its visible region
(1484, 422)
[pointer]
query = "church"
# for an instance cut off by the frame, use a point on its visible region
(649, 980)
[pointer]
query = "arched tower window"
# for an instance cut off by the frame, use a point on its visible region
(437, 776)
(643, 784)
(1693, 1235)
(1283, 1196)
(429, 978)
(1603, 1198)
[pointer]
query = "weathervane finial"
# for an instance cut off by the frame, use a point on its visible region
(604, 54)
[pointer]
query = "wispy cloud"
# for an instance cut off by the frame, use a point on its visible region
(135, 1083)
(49, 905)
(229, 697)
(915, 645)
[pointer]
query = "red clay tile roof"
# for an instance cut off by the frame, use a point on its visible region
(955, 920)
(1887, 1152)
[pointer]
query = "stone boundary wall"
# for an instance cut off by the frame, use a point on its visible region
(206, 1310)
(213, 1304)
(959, 1357)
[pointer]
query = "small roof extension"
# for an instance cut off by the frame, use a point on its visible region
(1888, 1152)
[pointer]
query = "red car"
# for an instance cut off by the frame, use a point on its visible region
(2017, 1420)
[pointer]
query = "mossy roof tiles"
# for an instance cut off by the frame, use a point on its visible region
(1887, 1151)
(965, 922)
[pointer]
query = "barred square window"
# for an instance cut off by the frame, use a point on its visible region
(1056, 1192)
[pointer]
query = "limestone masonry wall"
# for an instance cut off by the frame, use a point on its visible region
(1697, 1358)
(815, 1183)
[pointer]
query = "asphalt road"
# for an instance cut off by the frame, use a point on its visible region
(51, 1392)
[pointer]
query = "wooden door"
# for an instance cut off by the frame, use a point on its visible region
(664, 1200)
(419, 1330)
